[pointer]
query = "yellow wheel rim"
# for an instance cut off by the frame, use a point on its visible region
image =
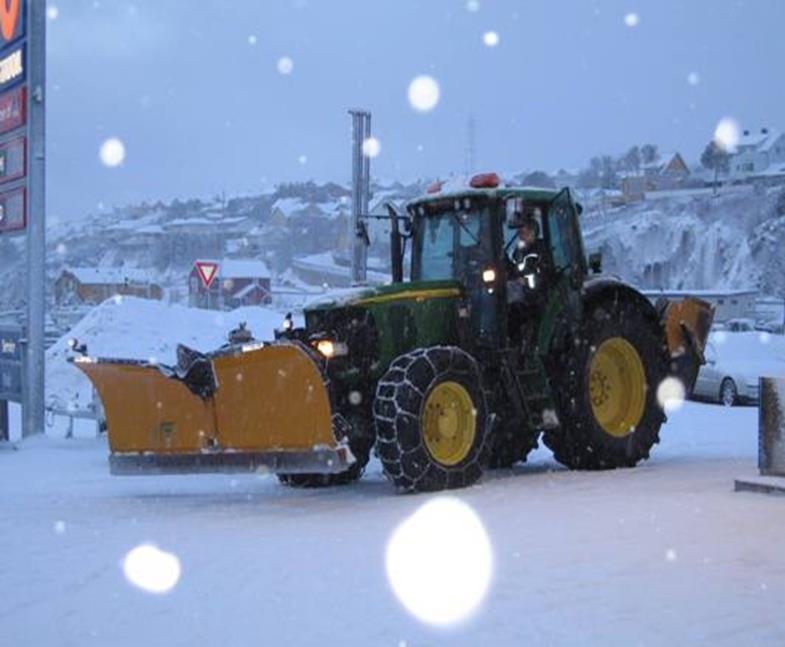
(449, 423)
(617, 387)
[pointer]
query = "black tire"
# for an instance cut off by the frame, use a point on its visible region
(360, 444)
(729, 393)
(510, 444)
(399, 411)
(581, 442)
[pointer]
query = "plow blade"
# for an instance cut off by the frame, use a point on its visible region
(264, 406)
(687, 325)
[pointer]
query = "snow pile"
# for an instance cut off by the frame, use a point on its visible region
(140, 329)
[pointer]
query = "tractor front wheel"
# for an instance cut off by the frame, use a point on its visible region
(431, 420)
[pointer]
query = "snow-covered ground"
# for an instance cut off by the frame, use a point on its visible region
(666, 553)
(662, 554)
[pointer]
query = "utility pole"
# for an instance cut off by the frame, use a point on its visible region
(33, 407)
(471, 146)
(361, 194)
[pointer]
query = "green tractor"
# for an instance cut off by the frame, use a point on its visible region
(461, 367)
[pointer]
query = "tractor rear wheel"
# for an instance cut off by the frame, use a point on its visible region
(431, 420)
(606, 389)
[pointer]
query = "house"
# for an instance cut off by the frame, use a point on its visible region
(758, 153)
(237, 282)
(93, 285)
(669, 171)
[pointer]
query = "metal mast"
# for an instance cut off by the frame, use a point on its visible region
(361, 194)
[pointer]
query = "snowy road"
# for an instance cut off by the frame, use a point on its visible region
(663, 554)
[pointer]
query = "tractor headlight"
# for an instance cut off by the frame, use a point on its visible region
(288, 323)
(330, 349)
(489, 275)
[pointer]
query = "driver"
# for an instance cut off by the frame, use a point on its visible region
(529, 242)
(524, 292)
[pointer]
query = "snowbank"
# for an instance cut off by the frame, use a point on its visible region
(140, 329)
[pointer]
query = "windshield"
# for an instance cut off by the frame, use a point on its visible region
(448, 244)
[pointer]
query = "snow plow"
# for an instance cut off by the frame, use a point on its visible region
(492, 344)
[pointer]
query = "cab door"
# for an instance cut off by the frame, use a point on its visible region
(565, 240)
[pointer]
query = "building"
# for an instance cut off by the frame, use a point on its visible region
(237, 283)
(757, 153)
(669, 171)
(728, 304)
(94, 285)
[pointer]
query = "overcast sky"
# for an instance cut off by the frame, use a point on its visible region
(193, 87)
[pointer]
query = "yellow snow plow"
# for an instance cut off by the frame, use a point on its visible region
(254, 407)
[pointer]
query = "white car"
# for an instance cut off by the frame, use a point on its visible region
(722, 383)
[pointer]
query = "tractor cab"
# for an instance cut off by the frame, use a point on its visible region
(507, 247)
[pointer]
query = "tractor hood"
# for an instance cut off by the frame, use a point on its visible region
(368, 296)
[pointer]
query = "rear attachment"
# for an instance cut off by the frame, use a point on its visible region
(687, 325)
(245, 408)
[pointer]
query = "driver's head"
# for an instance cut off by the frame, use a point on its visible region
(529, 230)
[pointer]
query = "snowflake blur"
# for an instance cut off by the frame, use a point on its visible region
(693, 78)
(424, 93)
(632, 19)
(472, 6)
(371, 147)
(112, 152)
(727, 134)
(285, 65)
(151, 569)
(440, 562)
(671, 394)
(490, 38)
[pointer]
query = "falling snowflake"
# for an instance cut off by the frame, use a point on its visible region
(52, 12)
(252, 40)
(424, 93)
(693, 78)
(371, 147)
(112, 152)
(421, 557)
(472, 5)
(632, 19)
(727, 134)
(285, 65)
(62, 249)
(490, 38)
(671, 394)
(151, 569)
(59, 527)
(670, 555)
(303, 160)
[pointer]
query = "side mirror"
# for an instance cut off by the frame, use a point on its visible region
(595, 262)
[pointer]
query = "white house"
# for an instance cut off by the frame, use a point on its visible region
(757, 152)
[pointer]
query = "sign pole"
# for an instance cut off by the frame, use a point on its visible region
(36, 228)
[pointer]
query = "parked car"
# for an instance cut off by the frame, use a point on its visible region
(740, 325)
(774, 327)
(724, 384)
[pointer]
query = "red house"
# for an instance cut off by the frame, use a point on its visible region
(235, 283)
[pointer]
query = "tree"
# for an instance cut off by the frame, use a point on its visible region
(631, 160)
(649, 153)
(539, 178)
(609, 177)
(716, 158)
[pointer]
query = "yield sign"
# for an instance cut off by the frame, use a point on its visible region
(207, 272)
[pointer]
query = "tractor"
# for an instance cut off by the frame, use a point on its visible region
(464, 362)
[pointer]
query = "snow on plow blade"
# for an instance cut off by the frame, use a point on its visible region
(687, 325)
(242, 409)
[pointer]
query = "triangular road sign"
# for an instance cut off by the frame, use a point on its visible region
(207, 272)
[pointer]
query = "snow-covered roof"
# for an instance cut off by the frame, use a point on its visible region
(251, 287)
(239, 268)
(288, 206)
(108, 275)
